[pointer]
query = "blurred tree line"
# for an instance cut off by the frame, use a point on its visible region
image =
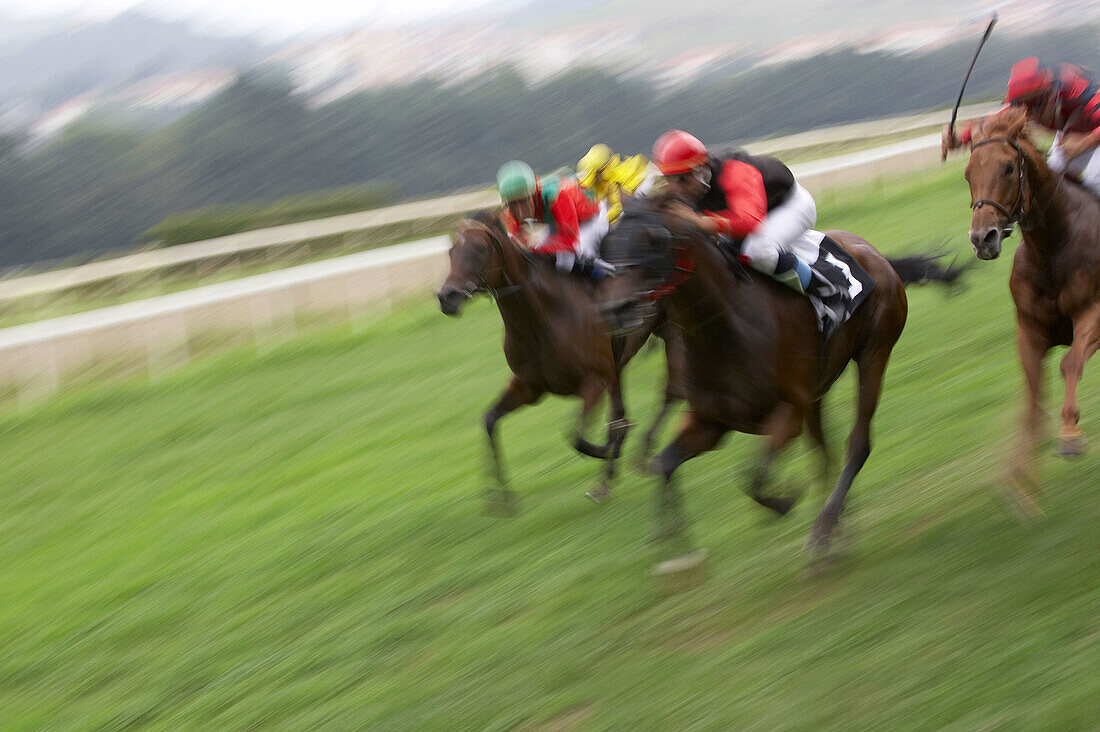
(96, 188)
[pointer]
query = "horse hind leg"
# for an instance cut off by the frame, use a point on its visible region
(500, 501)
(872, 367)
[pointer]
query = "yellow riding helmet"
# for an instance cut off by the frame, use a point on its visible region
(597, 157)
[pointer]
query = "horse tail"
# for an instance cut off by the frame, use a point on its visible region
(923, 268)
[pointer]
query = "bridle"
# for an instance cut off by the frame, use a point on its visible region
(495, 292)
(1018, 213)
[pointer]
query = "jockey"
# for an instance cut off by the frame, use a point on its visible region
(608, 177)
(747, 197)
(1067, 102)
(574, 226)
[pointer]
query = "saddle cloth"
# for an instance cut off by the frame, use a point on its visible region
(839, 285)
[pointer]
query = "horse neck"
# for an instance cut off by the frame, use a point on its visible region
(1046, 207)
(712, 305)
(519, 306)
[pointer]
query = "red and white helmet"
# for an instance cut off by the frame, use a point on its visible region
(1027, 78)
(677, 152)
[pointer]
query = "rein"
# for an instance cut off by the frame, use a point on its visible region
(497, 292)
(1018, 213)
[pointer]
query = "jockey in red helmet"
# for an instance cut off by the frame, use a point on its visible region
(1065, 101)
(745, 197)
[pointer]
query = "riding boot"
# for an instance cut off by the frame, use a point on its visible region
(793, 272)
(589, 268)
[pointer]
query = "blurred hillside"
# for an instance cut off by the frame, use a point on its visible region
(93, 189)
(46, 63)
(142, 69)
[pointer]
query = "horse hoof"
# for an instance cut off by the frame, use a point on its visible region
(680, 574)
(498, 505)
(817, 546)
(1072, 446)
(1021, 505)
(584, 447)
(600, 494)
(780, 504)
(667, 531)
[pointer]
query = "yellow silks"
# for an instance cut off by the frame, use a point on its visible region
(608, 176)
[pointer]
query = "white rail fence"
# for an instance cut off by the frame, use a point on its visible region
(160, 332)
(348, 231)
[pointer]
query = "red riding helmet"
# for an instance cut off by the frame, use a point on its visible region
(1027, 77)
(678, 152)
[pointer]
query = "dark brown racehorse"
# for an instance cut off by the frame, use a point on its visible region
(754, 358)
(555, 340)
(1055, 280)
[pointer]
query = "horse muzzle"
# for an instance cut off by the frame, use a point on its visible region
(451, 300)
(986, 242)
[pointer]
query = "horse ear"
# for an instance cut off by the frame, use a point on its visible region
(1016, 122)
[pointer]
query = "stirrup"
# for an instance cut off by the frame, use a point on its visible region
(791, 280)
(793, 272)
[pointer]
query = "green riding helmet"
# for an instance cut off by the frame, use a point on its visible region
(516, 181)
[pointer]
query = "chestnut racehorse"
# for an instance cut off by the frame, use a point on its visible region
(1055, 281)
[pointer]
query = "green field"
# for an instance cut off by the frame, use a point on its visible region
(292, 539)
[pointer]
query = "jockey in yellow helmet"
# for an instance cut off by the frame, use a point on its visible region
(608, 177)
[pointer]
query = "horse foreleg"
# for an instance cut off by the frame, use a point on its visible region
(500, 501)
(782, 425)
(696, 436)
(655, 428)
(872, 367)
(673, 394)
(1086, 339)
(590, 393)
(616, 434)
(1023, 475)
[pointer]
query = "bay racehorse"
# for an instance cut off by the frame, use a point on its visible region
(754, 359)
(555, 341)
(1055, 281)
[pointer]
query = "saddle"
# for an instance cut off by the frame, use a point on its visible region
(837, 287)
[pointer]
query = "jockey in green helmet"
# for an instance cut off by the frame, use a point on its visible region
(574, 226)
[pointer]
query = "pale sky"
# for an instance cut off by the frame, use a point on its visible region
(270, 17)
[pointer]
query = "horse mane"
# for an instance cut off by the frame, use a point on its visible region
(489, 217)
(1012, 123)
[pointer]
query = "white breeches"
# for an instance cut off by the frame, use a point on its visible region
(590, 233)
(1085, 167)
(786, 228)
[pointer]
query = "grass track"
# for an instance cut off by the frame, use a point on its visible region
(292, 539)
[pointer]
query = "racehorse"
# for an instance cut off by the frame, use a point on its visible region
(555, 341)
(1055, 281)
(754, 359)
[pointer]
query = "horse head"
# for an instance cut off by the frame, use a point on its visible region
(643, 249)
(1002, 159)
(477, 261)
